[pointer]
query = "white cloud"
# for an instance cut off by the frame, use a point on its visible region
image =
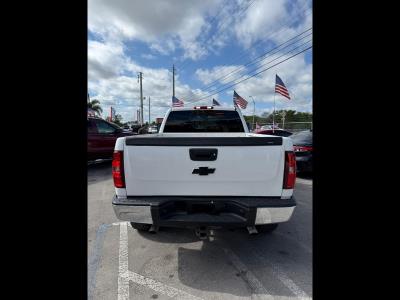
(104, 59)
(113, 88)
(272, 20)
(158, 22)
(220, 73)
(170, 25)
(261, 17)
(148, 56)
(163, 47)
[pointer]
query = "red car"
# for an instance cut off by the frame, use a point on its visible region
(101, 138)
(278, 132)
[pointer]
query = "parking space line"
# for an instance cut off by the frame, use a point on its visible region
(123, 280)
(124, 275)
(160, 287)
(257, 289)
(300, 294)
(281, 275)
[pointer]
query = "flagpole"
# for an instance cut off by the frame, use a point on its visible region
(273, 117)
(254, 111)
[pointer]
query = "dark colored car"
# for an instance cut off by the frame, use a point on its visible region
(278, 132)
(101, 138)
(303, 148)
(135, 128)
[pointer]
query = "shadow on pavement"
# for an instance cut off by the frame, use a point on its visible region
(254, 256)
(211, 269)
(171, 235)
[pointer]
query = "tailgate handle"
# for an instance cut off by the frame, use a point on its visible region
(201, 154)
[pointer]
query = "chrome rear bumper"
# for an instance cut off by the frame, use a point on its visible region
(204, 211)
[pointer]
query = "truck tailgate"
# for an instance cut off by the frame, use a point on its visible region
(243, 166)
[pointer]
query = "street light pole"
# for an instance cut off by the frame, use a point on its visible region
(173, 80)
(140, 76)
(254, 110)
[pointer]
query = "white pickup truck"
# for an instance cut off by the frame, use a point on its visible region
(204, 170)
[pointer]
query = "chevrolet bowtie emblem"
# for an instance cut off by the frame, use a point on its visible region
(203, 171)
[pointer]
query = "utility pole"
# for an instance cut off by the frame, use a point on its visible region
(140, 76)
(149, 110)
(173, 80)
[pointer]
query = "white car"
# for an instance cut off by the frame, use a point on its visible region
(153, 129)
(206, 171)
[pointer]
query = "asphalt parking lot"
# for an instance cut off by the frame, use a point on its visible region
(174, 264)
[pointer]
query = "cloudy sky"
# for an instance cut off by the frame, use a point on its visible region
(213, 44)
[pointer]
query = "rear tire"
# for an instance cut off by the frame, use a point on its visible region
(266, 228)
(141, 226)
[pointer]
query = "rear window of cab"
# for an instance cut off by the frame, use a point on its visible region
(203, 121)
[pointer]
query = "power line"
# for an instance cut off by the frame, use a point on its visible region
(257, 59)
(241, 11)
(221, 72)
(211, 23)
(252, 75)
(260, 66)
(289, 22)
(267, 35)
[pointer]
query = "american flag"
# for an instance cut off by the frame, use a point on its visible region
(280, 87)
(239, 101)
(216, 103)
(176, 102)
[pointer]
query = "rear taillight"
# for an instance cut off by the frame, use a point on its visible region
(118, 169)
(289, 177)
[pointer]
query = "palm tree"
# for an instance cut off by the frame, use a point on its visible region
(95, 105)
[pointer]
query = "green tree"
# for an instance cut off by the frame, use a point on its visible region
(290, 117)
(265, 114)
(118, 120)
(95, 105)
